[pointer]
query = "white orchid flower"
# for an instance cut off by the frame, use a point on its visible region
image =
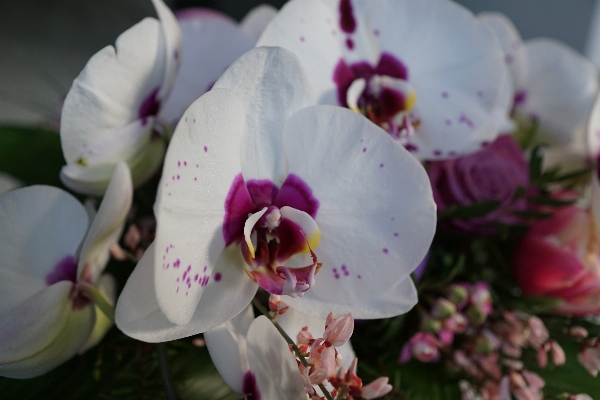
(428, 72)
(253, 181)
(109, 115)
(211, 41)
(552, 84)
(51, 263)
(253, 358)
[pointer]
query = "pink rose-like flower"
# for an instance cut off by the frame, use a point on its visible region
(559, 258)
(491, 174)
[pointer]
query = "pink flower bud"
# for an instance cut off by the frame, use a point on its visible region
(458, 294)
(476, 315)
(329, 319)
(133, 237)
(304, 336)
(542, 357)
(588, 358)
(339, 330)
(425, 348)
(480, 296)
(379, 387)
(457, 323)
(429, 324)
(578, 331)
(538, 333)
(558, 354)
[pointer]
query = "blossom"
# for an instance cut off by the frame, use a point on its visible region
(428, 72)
(253, 358)
(423, 346)
(109, 114)
(50, 261)
(552, 84)
(258, 189)
(559, 258)
(494, 173)
(211, 41)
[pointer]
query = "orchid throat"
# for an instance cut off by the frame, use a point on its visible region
(276, 231)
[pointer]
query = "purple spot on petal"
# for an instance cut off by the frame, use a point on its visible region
(205, 268)
(196, 278)
(411, 147)
(364, 149)
(149, 106)
(396, 234)
(466, 120)
(349, 44)
(195, 178)
(381, 165)
(205, 149)
(185, 163)
(520, 97)
(479, 93)
(347, 20)
(385, 250)
(217, 277)
(445, 95)
(177, 291)
(64, 270)
(376, 32)
(437, 152)
(249, 387)
(359, 277)
(302, 39)
(448, 122)
(179, 163)
(485, 144)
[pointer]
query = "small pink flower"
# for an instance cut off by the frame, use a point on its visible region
(589, 358)
(558, 354)
(422, 346)
(538, 333)
(379, 387)
(339, 330)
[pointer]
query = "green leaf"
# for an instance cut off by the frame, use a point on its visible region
(470, 211)
(532, 214)
(421, 381)
(535, 163)
(33, 155)
(549, 201)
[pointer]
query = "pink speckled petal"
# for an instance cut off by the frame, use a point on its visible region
(309, 29)
(228, 291)
(272, 86)
(201, 163)
(376, 213)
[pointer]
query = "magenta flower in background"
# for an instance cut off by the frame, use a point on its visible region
(492, 174)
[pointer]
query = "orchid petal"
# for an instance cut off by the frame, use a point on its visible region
(200, 166)
(8, 183)
(227, 347)
(256, 20)
(292, 322)
(595, 206)
(269, 357)
(316, 41)
(111, 89)
(510, 40)
(561, 89)
(107, 286)
(228, 292)
(42, 333)
(211, 42)
(307, 225)
(370, 192)
(272, 86)
(30, 246)
(171, 40)
(107, 226)
(94, 179)
(249, 225)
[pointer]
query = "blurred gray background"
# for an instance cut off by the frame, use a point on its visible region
(45, 43)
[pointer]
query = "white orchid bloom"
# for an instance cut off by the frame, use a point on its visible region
(109, 115)
(428, 72)
(211, 41)
(8, 183)
(253, 181)
(552, 84)
(253, 358)
(50, 258)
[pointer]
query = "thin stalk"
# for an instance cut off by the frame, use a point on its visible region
(165, 371)
(289, 341)
(92, 293)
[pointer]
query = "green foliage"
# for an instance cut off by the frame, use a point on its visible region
(33, 155)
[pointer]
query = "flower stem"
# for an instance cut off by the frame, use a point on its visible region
(165, 371)
(289, 341)
(92, 293)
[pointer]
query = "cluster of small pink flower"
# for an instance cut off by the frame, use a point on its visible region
(464, 305)
(324, 365)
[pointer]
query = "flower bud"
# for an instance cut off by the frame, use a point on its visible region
(443, 308)
(476, 315)
(379, 387)
(558, 354)
(339, 330)
(578, 331)
(430, 325)
(457, 294)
